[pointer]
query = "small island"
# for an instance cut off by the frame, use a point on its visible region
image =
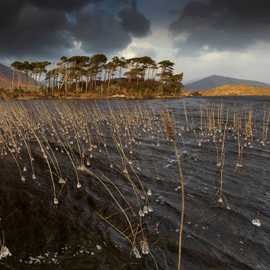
(94, 77)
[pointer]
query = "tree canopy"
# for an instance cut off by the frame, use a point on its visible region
(98, 73)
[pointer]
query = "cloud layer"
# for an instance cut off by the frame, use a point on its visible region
(47, 28)
(222, 25)
(203, 37)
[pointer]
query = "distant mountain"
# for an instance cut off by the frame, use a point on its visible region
(19, 79)
(237, 90)
(216, 81)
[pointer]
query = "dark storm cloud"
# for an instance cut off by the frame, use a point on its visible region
(100, 30)
(161, 12)
(9, 11)
(49, 28)
(32, 33)
(133, 21)
(61, 5)
(223, 24)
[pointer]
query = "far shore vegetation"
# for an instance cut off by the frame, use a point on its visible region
(96, 77)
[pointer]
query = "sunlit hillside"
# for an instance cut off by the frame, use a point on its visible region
(237, 90)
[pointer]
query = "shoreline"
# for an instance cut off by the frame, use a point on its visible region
(28, 97)
(93, 97)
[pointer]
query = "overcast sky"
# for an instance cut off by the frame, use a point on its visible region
(205, 37)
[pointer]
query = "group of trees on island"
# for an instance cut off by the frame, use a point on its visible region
(98, 74)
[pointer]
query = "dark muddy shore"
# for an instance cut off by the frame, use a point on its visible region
(72, 235)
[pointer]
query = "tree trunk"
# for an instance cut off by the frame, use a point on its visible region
(12, 82)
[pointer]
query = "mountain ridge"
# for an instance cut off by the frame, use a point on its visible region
(215, 81)
(237, 90)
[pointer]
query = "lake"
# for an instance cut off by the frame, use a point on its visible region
(95, 184)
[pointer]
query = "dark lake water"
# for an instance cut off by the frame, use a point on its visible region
(92, 185)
